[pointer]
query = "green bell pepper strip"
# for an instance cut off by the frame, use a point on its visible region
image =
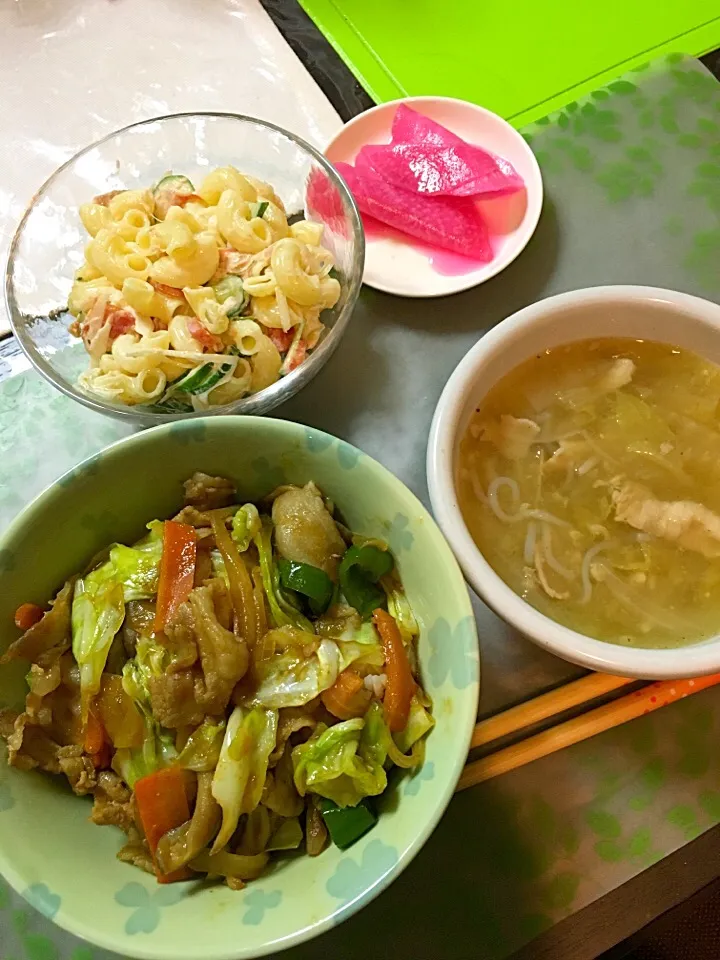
(311, 582)
(360, 570)
(346, 825)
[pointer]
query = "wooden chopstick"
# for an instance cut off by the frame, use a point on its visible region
(633, 705)
(546, 705)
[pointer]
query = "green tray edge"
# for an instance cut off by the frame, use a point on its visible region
(382, 86)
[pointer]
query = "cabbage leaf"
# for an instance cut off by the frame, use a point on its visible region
(361, 647)
(158, 749)
(290, 679)
(344, 762)
(246, 525)
(399, 608)
(98, 608)
(420, 722)
(281, 796)
(202, 748)
(240, 774)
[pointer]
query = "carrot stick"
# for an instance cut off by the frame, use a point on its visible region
(27, 615)
(162, 805)
(95, 742)
(400, 685)
(94, 734)
(177, 570)
(347, 697)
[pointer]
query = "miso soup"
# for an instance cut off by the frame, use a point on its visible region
(589, 477)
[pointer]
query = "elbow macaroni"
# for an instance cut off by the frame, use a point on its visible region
(189, 260)
(226, 178)
(245, 233)
(115, 259)
(215, 284)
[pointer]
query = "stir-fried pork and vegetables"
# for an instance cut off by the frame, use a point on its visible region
(237, 683)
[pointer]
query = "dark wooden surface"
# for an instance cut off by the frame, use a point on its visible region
(627, 909)
(611, 920)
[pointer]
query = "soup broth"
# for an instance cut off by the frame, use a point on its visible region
(589, 477)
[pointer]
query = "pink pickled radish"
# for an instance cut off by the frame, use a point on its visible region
(426, 157)
(458, 171)
(409, 126)
(452, 223)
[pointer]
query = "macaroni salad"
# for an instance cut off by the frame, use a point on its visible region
(191, 299)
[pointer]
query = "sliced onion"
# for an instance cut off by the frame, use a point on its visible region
(400, 759)
(241, 587)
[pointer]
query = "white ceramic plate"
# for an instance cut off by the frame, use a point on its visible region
(406, 268)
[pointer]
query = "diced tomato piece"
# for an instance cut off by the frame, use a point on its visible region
(298, 356)
(104, 198)
(203, 336)
(230, 262)
(281, 338)
(168, 291)
(180, 199)
(121, 319)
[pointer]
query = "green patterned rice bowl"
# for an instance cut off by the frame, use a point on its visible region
(64, 865)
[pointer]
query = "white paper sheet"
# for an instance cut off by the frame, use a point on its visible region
(74, 70)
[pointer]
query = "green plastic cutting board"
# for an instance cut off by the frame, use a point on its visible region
(521, 58)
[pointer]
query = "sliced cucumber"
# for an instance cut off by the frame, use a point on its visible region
(202, 378)
(194, 380)
(237, 311)
(173, 405)
(258, 209)
(218, 374)
(175, 182)
(231, 288)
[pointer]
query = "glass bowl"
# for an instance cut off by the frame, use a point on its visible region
(48, 245)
